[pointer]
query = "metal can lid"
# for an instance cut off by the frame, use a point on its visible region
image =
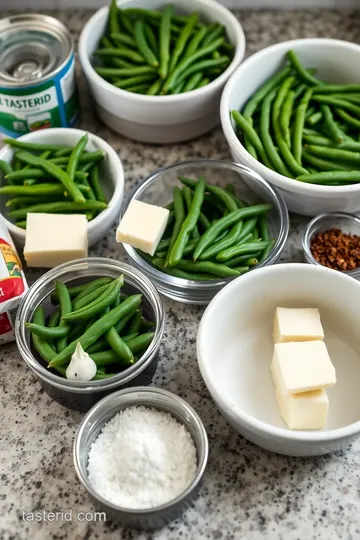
(32, 48)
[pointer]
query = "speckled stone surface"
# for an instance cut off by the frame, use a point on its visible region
(247, 493)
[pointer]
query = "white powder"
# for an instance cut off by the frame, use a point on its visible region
(142, 458)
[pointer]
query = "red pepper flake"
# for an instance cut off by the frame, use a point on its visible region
(336, 250)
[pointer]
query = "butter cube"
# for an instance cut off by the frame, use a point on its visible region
(53, 239)
(301, 367)
(307, 410)
(297, 325)
(143, 226)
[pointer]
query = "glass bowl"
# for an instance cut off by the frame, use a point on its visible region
(348, 223)
(77, 394)
(249, 186)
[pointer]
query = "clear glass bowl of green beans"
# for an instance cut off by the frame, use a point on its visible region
(225, 220)
(45, 299)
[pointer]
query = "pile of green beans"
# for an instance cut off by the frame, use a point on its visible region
(211, 234)
(110, 326)
(158, 52)
(50, 178)
(302, 127)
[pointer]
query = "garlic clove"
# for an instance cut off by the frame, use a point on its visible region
(81, 366)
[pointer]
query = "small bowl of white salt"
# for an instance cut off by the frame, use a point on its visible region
(141, 453)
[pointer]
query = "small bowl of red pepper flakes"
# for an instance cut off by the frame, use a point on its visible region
(333, 240)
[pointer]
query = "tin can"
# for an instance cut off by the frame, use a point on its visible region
(37, 75)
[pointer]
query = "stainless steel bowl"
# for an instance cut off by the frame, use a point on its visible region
(249, 186)
(347, 223)
(83, 395)
(102, 413)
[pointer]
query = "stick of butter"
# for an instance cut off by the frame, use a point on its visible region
(297, 325)
(307, 410)
(53, 239)
(142, 226)
(302, 367)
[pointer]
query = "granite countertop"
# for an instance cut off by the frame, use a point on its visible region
(247, 492)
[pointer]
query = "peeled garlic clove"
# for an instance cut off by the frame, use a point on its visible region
(81, 367)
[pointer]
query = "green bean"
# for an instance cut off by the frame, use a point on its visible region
(315, 118)
(323, 164)
(195, 42)
(123, 322)
(182, 40)
(339, 103)
(348, 118)
(99, 304)
(241, 249)
(36, 190)
(213, 32)
(285, 116)
(186, 63)
(135, 322)
(335, 154)
(202, 65)
(128, 72)
(207, 267)
(46, 333)
(337, 88)
(189, 223)
(247, 259)
(63, 295)
(140, 342)
(119, 347)
(299, 126)
(151, 38)
(224, 223)
(24, 174)
(247, 128)
(179, 219)
(123, 64)
(193, 82)
(34, 147)
(143, 46)
(56, 207)
(54, 171)
(320, 140)
(100, 345)
(204, 82)
(155, 88)
(133, 81)
(42, 348)
(263, 228)
(267, 250)
(54, 318)
(187, 193)
(113, 22)
(178, 88)
(94, 294)
(175, 272)
(105, 42)
(165, 24)
(349, 177)
(266, 137)
(86, 157)
(303, 73)
(220, 193)
(99, 328)
(121, 39)
(230, 239)
(80, 291)
(146, 325)
(203, 221)
(96, 185)
(263, 91)
(331, 125)
(124, 52)
(75, 155)
(5, 168)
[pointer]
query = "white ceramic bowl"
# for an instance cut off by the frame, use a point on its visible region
(235, 347)
(160, 119)
(336, 62)
(111, 171)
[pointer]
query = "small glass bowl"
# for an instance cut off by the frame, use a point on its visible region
(249, 186)
(347, 223)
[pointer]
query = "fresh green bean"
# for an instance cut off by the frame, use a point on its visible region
(57, 207)
(98, 329)
(98, 305)
(124, 52)
(128, 72)
(63, 295)
(86, 157)
(179, 219)
(93, 294)
(34, 147)
(135, 322)
(355, 122)
(5, 168)
(337, 88)
(207, 267)
(315, 118)
(267, 250)
(285, 116)
(182, 41)
(119, 347)
(54, 318)
(187, 193)
(125, 84)
(320, 140)
(96, 184)
(189, 223)
(36, 190)
(218, 192)
(75, 155)
(241, 249)
(263, 229)
(42, 347)
(324, 177)
(151, 38)
(121, 39)
(175, 272)
(24, 174)
(224, 223)
(303, 73)
(230, 239)
(335, 154)
(113, 22)
(299, 126)
(142, 44)
(54, 171)
(195, 42)
(80, 291)
(331, 126)
(46, 333)
(264, 90)
(155, 87)
(141, 342)
(202, 65)
(323, 164)
(339, 103)
(248, 130)
(247, 260)
(165, 31)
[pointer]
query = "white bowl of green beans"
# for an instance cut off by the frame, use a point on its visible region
(302, 99)
(34, 177)
(156, 70)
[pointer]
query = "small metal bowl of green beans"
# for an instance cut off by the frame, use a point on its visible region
(157, 70)
(60, 171)
(110, 308)
(225, 221)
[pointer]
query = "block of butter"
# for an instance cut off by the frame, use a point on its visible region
(307, 410)
(142, 226)
(301, 367)
(297, 325)
(53, 239)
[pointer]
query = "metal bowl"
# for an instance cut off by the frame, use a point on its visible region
(102, 413)
(76, 394)
(249, 186)
(347, 223)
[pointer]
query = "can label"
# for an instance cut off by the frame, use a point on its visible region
(52, 103)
